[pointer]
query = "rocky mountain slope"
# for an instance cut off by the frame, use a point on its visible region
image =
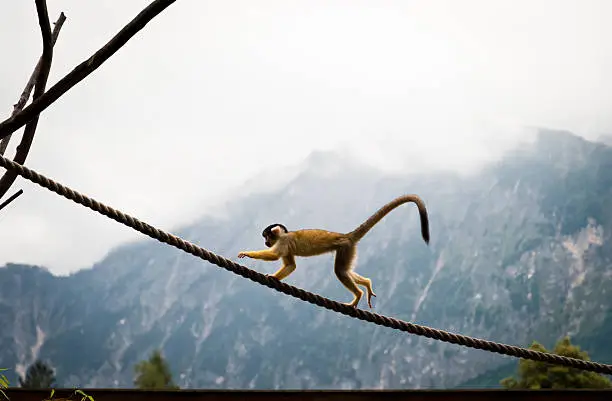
(519, 252)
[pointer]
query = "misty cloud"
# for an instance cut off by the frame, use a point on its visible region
(210, 94)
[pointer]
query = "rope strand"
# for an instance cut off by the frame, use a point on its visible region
(299, 293)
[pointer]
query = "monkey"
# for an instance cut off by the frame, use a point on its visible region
(286, 245)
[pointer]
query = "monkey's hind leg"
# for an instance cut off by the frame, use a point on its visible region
(342, 268)
(367, 283)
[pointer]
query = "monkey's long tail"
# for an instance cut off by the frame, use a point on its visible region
(363, 229)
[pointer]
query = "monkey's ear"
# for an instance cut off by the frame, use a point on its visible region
(277, 230)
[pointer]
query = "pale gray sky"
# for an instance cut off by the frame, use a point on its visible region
(212, 92)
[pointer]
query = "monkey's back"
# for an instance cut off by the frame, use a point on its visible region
(312, 242)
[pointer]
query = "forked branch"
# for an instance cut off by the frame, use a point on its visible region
(43, 67)
(81, 71)
(25, 95)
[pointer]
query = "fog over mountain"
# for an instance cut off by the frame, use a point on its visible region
(211, 92)
(518, 253)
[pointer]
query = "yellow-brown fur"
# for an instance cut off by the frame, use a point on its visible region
(286, 245)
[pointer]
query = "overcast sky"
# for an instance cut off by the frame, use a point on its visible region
(212, 92)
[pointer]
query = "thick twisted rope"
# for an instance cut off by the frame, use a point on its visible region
(298, 292)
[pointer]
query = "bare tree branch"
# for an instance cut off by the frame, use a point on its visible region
(81, 71)
(25, 95)
(12, 198)
(41, 82)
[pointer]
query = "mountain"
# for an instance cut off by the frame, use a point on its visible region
(517, 254)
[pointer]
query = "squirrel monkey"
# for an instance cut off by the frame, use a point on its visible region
(286, 245)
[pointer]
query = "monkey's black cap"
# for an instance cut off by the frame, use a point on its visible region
(268, 230)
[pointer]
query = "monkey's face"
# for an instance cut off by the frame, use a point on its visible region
(272, 233)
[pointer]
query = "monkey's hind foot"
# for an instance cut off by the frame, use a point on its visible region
(370, 299)
(351, 304)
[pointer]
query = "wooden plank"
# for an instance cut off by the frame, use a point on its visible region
(19, 394)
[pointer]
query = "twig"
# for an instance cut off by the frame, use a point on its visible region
(12, 198)
(41, 82)
(81, 71)
(25, 95)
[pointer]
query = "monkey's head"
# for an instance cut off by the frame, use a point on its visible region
(273, 232)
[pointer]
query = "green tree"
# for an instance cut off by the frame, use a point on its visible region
(4, 383)
(154, 373)
(540, 375)
(38, 375)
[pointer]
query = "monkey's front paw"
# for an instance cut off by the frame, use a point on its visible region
(242, 255)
